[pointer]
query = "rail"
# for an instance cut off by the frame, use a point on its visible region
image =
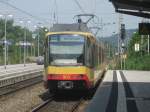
(43, 104)
(76, 106)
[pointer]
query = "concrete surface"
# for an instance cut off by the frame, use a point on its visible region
(122, 91)
(13, 70)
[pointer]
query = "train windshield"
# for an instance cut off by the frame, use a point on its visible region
(66, 49)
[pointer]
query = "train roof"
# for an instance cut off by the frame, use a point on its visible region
(82, 27)
(76, 28)
(71, 32)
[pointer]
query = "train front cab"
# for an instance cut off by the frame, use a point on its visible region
(67, 78)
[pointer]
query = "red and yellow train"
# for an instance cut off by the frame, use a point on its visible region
(73, 60)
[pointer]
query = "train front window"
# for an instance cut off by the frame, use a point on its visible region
(66, 49)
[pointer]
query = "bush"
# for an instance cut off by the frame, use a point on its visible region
(138, 63)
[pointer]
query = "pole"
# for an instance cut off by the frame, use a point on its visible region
(20, 53)
(148, 45)
(124, 63)
(119, 42)
(34, 50)
(7, 61)
(101, 53)
(141, 45)
(101, 40)
(27, 49)
(38, 41)
(109, 51)
(25, 46)
(119, 24)
(121, 55)
(31, 50)
(5, 42)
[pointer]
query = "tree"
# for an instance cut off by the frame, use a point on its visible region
(14, 35)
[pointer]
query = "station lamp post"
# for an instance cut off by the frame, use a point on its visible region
(5, 38)
(37, 27)
(38, 35)
(25, 40)
(46, 30)
(102, 27)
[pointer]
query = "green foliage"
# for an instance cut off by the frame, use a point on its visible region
(138, 63)
(41, 33)
(14, 34)
(138, 60)
(135, 39)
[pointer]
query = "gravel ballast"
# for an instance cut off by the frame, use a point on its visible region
(23, 100)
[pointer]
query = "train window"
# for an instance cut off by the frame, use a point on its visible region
(87, 56)
(90, 53)
(99, 54)
(95, 55)
(66, 49)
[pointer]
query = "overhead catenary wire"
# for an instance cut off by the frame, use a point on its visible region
(55, 12)
(84, 12)
(94, 6)
(27, 13)
(80, 7)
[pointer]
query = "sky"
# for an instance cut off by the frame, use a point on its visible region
(65, 10)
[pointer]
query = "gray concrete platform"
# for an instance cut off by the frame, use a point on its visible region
(122, 91)
(18, 73)
(13, 70)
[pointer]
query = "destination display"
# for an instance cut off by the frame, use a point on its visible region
(66, 38)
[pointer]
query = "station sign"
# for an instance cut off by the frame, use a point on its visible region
(137, 47)
(21, 43)
(124, 56)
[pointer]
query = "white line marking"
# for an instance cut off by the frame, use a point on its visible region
(121, 104)
(119, 77)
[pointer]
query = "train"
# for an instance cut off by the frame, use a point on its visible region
(40, 60)
(73, 58)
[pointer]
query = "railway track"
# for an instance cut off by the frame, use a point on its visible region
(43, 104)
(53, 105)
(76, 106)
(19, 85)
(65, 105)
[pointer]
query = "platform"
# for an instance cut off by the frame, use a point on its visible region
(13, 70)
(17, 73)
(122, 91)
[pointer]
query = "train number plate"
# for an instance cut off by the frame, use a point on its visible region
(65, 84)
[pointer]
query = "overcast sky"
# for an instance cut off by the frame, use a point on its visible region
(66, 10)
